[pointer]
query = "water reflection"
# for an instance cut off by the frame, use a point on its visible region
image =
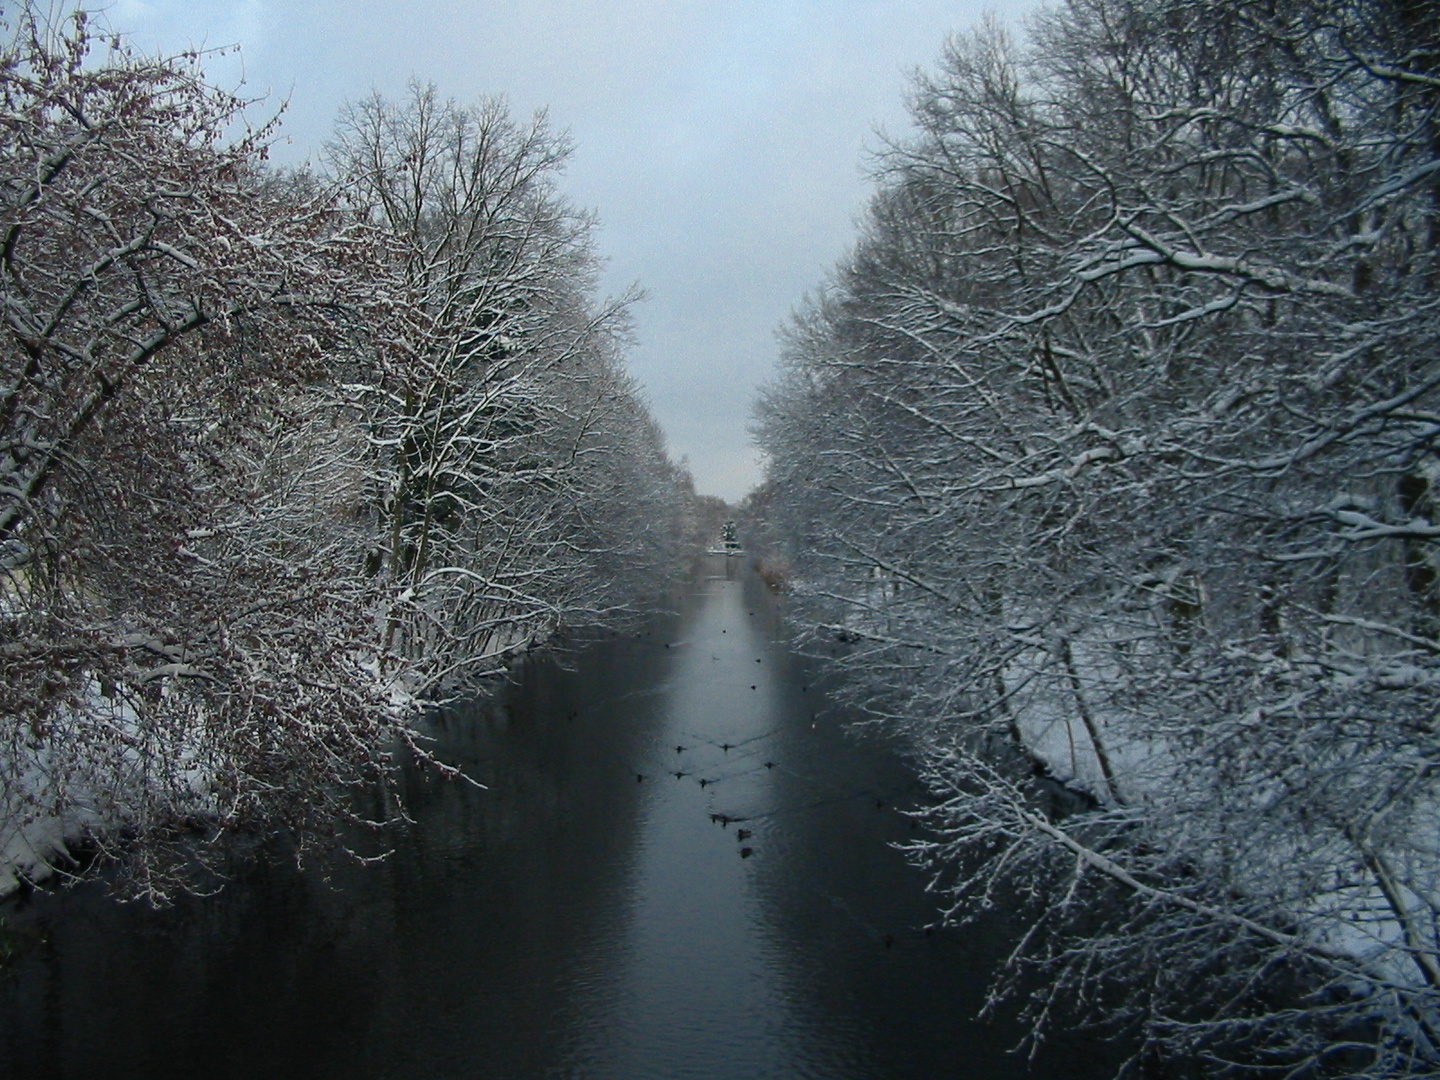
(700, 994)
(674, 872)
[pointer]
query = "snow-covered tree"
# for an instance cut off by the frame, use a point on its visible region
(166, 660)
(516, 462)
(1108, 456)
(277, 455)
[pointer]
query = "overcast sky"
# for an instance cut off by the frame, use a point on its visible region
(721, 142)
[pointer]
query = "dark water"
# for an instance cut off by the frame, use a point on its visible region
(570, 921)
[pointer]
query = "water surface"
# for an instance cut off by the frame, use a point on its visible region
(680, 868)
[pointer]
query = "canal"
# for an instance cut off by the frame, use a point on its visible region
(680, 867)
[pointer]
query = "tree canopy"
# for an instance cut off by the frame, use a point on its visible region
(283, 454)
(1104, 464)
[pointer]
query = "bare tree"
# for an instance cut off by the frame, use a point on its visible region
(510, 443)
(169, 662)
(1108, 455)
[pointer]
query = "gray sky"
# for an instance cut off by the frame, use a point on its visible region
(720, 141)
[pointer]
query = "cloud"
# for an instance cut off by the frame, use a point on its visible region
(720, 142)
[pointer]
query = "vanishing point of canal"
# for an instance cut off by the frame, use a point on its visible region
(681, 868)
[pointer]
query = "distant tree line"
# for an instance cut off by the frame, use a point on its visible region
(283, 452)
(1105, 469)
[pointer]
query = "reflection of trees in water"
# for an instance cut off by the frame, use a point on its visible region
(497, 929)
(456, 946)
